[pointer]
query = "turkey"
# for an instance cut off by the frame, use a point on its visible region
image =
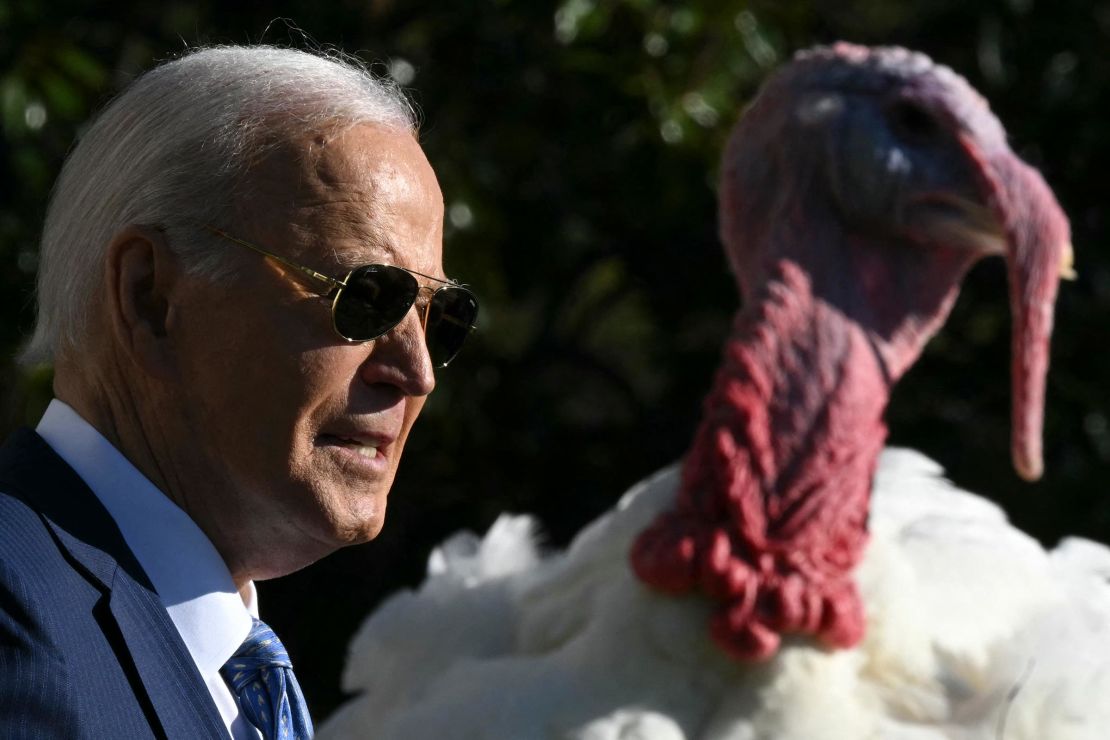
(790, 579)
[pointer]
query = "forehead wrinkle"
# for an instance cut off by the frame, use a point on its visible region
(371, 241)
(344, 229)
(339, 205)
(362, 238)
(357, 214)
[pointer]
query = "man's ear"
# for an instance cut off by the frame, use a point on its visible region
(141, 274)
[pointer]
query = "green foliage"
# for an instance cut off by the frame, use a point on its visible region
(577, 148)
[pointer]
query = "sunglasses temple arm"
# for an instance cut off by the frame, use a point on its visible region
(332, 283)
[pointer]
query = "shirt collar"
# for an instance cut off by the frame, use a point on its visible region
(183, 566)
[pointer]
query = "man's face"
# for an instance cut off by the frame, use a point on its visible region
(299, 431)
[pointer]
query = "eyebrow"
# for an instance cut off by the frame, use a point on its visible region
(350, 259)
(368, 247)
(333, 283)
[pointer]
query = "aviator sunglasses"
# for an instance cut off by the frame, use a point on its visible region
(372, 299)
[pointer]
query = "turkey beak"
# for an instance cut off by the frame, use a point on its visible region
(1039, 254)
(957, 221)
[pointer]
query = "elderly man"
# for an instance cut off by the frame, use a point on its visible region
(242, 293)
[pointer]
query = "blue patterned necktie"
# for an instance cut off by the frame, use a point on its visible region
(261, 675)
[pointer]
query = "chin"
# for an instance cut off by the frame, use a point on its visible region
(360, 533)
(336, 508)
(354, 524)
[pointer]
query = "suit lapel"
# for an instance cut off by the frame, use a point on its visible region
(172, 682)
(84, 529)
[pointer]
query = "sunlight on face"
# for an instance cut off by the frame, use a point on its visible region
(305, 429)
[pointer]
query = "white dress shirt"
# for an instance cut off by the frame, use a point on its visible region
(183, 566)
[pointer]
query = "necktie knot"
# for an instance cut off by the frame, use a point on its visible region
(261, 675)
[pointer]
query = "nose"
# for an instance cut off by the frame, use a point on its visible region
(400, 357)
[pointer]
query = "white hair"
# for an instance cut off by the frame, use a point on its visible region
(171, 151)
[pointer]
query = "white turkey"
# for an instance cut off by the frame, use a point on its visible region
(790, 579)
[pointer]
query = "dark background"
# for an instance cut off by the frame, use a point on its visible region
(576, 144)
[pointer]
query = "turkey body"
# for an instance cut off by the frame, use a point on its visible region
(974, 631)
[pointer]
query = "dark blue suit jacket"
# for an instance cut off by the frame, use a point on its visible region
(87, 650)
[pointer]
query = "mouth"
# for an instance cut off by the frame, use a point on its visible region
(369, 451)
(956, 221)
(364, 450)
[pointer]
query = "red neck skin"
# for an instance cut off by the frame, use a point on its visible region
(771, 517)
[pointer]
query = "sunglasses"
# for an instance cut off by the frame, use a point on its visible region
(372, 299)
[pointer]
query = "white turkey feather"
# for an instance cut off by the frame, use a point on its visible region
(974, 631)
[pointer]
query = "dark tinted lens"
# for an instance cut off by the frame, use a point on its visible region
(451, 315)
(374, 301)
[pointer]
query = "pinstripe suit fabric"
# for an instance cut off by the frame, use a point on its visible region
(87, 649)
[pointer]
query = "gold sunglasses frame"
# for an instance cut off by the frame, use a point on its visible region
(336, 286)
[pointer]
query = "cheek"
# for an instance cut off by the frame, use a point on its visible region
(316, 387)
(250, 395)
(413, 407)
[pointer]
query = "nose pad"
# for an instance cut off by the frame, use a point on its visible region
(423, 305)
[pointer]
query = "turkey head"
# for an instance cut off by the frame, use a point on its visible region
(856, 191)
